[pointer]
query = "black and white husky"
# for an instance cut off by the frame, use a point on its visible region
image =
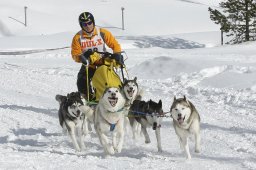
(72, 117)
(109, 118)
(148, 114)
(186, 121)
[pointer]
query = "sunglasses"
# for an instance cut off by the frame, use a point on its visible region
(84, 24)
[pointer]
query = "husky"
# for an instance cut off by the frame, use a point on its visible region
(109, 118)
(148, 114)
(131, 92)
(72, 118)
(186, 121)
(130, 89)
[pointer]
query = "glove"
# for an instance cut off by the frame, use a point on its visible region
(85, 56)
(83, 59)
(118, 57)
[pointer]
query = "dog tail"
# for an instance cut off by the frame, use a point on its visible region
(60, 98)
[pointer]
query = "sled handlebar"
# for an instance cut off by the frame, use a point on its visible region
(112, 56)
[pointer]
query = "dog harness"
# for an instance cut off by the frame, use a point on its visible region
(112, 126)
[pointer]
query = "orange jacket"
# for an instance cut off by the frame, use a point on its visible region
(107, 37)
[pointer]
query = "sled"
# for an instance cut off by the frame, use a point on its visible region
(106, 76)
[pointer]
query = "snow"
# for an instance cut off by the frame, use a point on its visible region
(172, 55)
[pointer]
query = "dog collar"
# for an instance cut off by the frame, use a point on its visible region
(116, 111)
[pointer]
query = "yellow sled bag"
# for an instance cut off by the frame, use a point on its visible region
(104, 77)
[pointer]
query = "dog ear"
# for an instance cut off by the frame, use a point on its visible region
(174, 98)
(68, 95)
(160, 103)
(78, 94)
(184, 97)
(60, 98)
(125, 80)
(186, 100)
(135, 79)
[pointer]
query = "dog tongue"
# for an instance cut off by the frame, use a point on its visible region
(113, 102)
(130, 93)
(180, 120)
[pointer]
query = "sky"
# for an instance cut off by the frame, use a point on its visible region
(171, 46)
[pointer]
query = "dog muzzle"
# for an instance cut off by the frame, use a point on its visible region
(130, 92)
(113, 101)
(181, 120)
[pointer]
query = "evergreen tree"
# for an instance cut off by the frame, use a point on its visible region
(238, 20)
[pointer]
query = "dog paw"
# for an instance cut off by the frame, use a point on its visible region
(83, 147)
(160, 150)
(111, 150)
(147, 141)
(78, 150)
(197, 150)
(188, 157)
(118, 149)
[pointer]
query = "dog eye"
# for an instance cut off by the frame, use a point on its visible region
(176, 109)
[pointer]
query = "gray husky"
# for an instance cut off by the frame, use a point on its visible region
(130, 89)
(131, 92)
(72, 117)
(186, 121)
(148, 114)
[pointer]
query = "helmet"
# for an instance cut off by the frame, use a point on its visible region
(86, 17)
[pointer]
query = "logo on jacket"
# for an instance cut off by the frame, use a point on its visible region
(91, 43)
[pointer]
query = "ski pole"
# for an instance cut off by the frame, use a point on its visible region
(87, 81)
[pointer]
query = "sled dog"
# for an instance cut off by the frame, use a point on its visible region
(130, 89)
(148, 115)
(109, 117)
(131, 92)
(186, 121)
(72, 117)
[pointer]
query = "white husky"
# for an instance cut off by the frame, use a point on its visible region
(186, 121)
(109, 117)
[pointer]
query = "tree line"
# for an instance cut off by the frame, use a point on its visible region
(237, 18)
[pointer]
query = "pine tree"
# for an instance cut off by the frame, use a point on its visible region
(238, 20)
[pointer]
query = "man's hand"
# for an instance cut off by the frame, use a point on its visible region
(118, 57)
(85, 56)
(83, 59)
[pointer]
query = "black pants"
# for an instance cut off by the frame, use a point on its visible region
(82, 81)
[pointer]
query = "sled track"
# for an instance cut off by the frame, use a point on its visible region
(29, 51)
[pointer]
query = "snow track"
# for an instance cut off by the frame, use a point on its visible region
(31, 138)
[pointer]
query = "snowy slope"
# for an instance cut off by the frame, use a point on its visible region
(220, 81)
